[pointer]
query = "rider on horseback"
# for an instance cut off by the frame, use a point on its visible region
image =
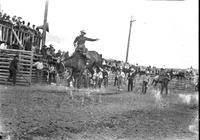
(79, 43)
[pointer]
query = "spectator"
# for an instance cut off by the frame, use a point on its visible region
(27, 43)
(145, 81)
(105, 77)
(60, 68)
(4, 16)
(13, 67)
(18, 22)
(65, 55)
(8, 19)
(58, 54)
(49, 56)
(43, 51)
(100, 77)
(28, 25)
(52, 50)
(39, 34)
(33, 27)
(52, 73)
(33, 30)
(85, 78)
(131, 76)
(116, 77)
(23, 26)
(120, 79)
(14, 20)
(94, 78)
(3, 46)
(39, 67)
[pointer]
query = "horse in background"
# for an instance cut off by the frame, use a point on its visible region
(163, 80)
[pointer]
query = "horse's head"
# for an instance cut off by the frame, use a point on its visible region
(77, 62)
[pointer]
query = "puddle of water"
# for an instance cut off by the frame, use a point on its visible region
(189, 98)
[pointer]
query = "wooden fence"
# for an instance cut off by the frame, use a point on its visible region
(26, 72)
(25, 65)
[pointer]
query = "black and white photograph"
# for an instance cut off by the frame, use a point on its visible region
(99, 70)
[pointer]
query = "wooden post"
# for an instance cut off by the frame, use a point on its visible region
(17, 38)
(11, 37)
(45, 23)
(31, 67)
(127, 51)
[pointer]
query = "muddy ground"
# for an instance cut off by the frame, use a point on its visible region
(52, 113)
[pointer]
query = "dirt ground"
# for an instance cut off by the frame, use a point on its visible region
(52, 113)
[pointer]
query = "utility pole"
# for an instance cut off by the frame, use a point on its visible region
(1, 10)
(45, 23)
(127, 51)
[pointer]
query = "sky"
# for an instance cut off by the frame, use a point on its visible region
(164, 33)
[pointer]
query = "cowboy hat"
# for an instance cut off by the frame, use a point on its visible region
(83, 31)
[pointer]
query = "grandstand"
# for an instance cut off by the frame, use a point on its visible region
(13, 40)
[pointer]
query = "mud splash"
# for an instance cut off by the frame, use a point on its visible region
(159, 100)
(194, 127)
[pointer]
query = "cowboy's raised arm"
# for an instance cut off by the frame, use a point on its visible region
(90, 39)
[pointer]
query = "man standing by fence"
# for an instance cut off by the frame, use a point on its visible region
(13, 67)
(39, 67)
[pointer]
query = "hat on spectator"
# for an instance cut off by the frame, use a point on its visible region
(8, 17)
(4, 15)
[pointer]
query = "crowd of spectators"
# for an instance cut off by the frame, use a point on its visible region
(52, 66)
(19, 23)
(31, 33)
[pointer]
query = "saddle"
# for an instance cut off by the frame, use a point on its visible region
(83, 51)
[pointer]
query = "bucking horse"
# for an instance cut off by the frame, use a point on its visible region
(77, 63)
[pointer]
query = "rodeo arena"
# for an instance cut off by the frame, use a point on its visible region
(49, 95)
